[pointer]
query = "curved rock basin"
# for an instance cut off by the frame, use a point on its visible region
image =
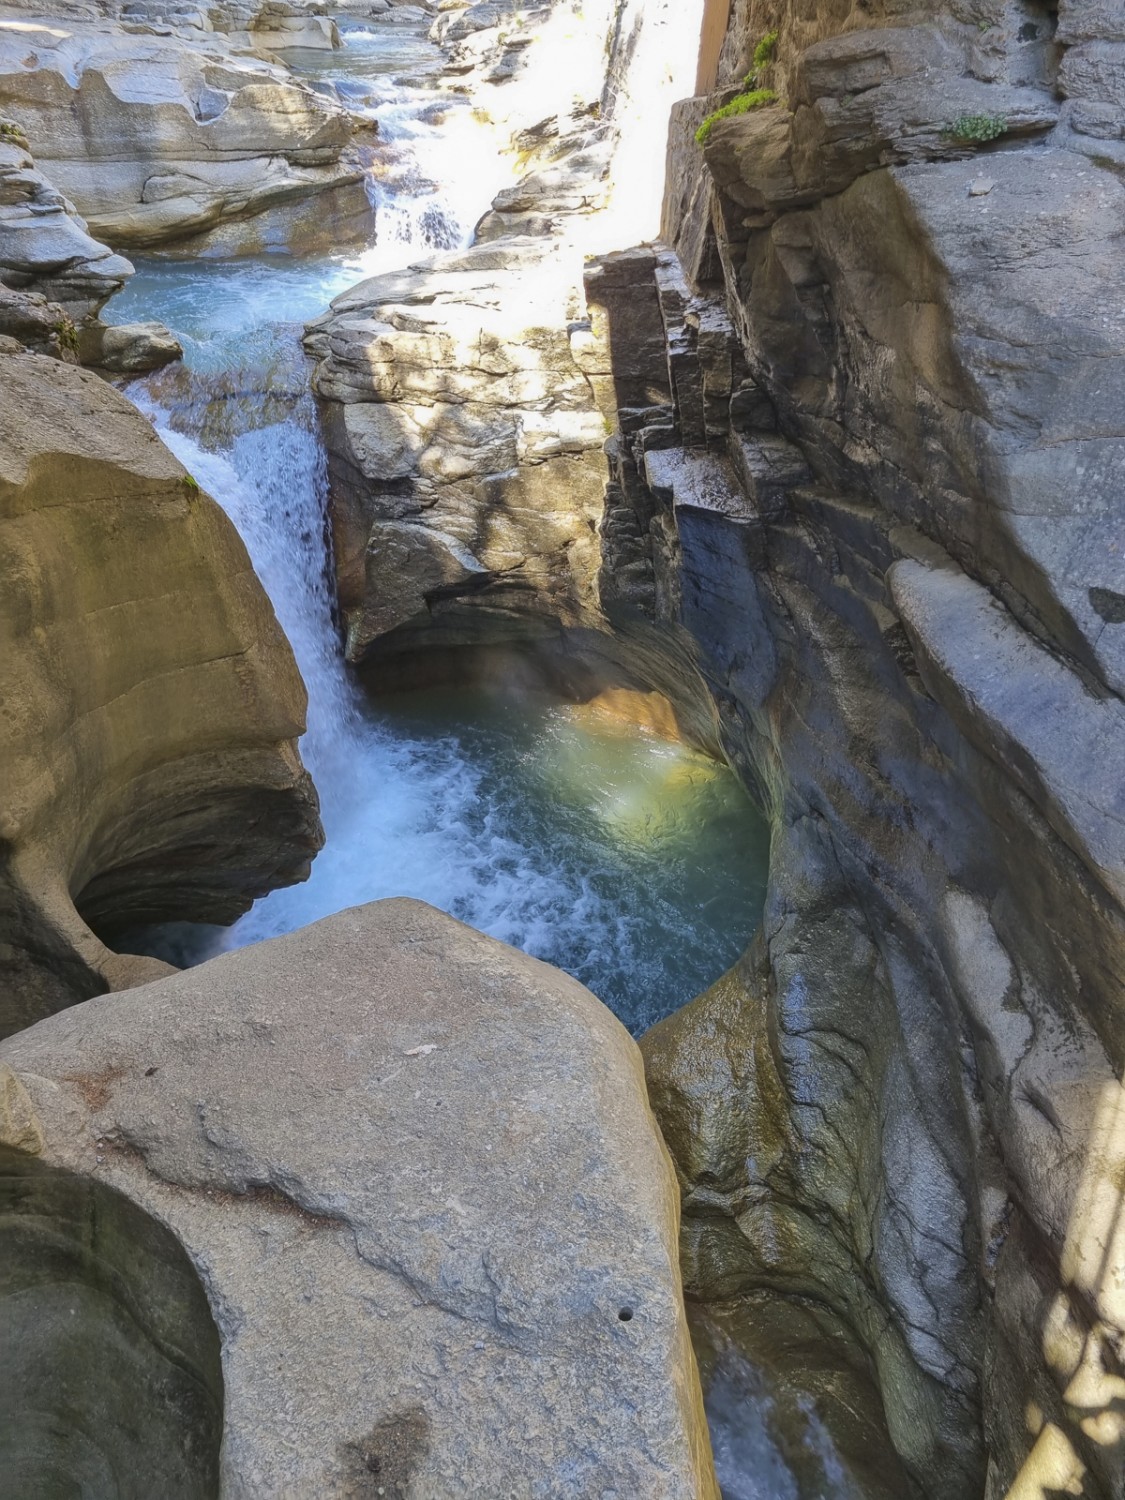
(111, 1382)
(635, 863)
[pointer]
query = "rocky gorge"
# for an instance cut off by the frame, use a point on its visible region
(774, 396)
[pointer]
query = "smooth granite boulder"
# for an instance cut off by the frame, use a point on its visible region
(418, 1175)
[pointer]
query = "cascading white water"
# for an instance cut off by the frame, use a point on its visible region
(635, 864)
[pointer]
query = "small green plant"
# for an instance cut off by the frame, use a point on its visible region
(744, 103)
(10, 131)
(66, 334)
(191, 484)
(977, 128)
(764, 51)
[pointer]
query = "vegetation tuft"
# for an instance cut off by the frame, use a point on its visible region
(977, 129)
(764, 51)
(752, 97)
(66, 334)
(755, 99)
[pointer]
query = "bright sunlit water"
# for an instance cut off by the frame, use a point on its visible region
(635, 864)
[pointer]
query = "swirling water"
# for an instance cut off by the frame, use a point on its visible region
(635, 864)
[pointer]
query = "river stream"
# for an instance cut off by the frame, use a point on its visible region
(636, 864)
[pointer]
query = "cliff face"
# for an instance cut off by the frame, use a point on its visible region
(885, 501)
(151, 705)
(461, 395)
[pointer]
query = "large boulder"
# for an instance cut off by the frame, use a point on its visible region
(151, 704)
(464, 449)
(418, 1176)
(159, 139)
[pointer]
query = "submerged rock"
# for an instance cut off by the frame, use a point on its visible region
(421, 1182)
(151, 704)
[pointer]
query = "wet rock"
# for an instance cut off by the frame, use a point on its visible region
(434, 1218)
(791, 1403)
(152, 705)
(899, 558)
(128, 348)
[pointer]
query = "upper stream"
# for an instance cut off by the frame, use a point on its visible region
(636, 864)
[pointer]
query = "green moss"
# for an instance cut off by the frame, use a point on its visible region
(10, 131)
(764, 51)
(191, 484)
(755, 99)
(66, 334)
(976, 128)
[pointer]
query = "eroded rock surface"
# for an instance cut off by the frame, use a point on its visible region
(885, 501)
(464, 410)
(420, 1180)
(111, 1382)
(55, 278)
(166, 139)
(465, 450)
(44, 246)
(151, 705)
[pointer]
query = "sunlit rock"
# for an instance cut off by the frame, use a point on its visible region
(420, 1180)
(161, 139)
(151, 704)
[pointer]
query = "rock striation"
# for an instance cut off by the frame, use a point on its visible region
(45, 249)
(434, 1218)
(55, 278)
(151, 705)
(182, 138)
(884, 501)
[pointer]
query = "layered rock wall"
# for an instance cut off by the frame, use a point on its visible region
(161, 136)
(462, 408)
(885, 502)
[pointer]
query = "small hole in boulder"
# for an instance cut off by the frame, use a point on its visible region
(626, 1314)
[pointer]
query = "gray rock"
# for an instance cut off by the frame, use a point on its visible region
(135, 131)
(901, 1104)
(128, 348)
(44, 246)
(463, 438)
(434, 1218)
